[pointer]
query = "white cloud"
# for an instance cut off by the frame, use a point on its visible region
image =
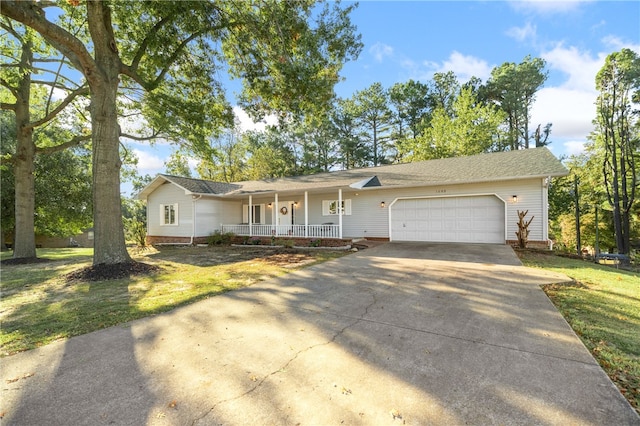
(547, 6)
(246, 123)
(573, 147)
(528, 32)
(616, 43)
(579, 67)
(380, 51)
(463, 66)
(148, 162)
(569, 105)
(570, 111)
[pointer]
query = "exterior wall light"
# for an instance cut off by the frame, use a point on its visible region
(382, 204)
(514, 198)
(269, 205)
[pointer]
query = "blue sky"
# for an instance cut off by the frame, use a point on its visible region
(413, 39)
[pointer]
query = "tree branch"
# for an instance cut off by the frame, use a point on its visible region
(155, 135)
(31, 14)
(129, 71)
(75, 141)
(6, 84)
(84, 90)
(8, 106)
(143, 46)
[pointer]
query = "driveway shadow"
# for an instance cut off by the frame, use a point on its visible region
(378, 337)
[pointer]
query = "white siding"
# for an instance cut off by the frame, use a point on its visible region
(169, 194)
(211, 213)
(368, 219)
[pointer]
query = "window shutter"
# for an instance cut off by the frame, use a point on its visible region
(245, 213)
(347, 207)
(325, 207)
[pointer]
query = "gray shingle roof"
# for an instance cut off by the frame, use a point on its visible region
(201, 186)
(491, 167)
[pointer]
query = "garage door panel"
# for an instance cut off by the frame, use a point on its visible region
(473, 219)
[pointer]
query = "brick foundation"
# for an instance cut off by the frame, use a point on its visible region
(157, 240)
(263, 241)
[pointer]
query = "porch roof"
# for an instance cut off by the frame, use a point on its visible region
(500, 166)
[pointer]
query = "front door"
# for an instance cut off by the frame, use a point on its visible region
(285, 214)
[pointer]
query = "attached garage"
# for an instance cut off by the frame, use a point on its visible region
(461, 219)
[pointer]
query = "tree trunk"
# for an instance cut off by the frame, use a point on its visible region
(109, 242)
(24, 241)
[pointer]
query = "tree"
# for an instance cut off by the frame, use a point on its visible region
(270, 155)
(34, 109)
(443, 92)
(617, 137)
(513, 87)
(177, 165)
(372, 109)
(410, 102)
(352, 150)
(286, 64)
(469, 128)
(224, 158)
(62, 185)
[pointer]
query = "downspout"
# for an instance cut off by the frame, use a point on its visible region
(194, 200)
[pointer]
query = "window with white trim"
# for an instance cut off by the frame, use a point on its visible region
(169, 214)
(257, 213)
(330, 207)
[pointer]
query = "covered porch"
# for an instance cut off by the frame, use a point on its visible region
(289, 217)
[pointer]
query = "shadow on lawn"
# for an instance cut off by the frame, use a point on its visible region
(75, 378)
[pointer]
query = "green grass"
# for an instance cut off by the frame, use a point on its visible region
(39, 305)
(603, 307)
(56, 253)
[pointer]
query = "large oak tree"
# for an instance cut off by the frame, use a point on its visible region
(288, 55)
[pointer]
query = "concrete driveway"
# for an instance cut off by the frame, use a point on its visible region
(397, 334)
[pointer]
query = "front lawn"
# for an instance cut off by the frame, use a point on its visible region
(603, 307)
(39, 305)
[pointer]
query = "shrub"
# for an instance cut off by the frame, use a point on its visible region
(136, 231)
(217, 238)
(314, 242)
(287, 243)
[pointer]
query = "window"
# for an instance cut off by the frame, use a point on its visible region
(257, 215)
(330, 207)
(169, 214)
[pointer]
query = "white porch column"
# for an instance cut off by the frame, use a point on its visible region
(250, 215)
(340, 212)
(276, 210)
(306, 214)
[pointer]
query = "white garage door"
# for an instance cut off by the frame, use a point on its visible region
(473, 219)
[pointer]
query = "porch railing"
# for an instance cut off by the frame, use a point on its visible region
(313, 231)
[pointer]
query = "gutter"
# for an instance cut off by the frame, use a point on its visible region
(194, 199)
